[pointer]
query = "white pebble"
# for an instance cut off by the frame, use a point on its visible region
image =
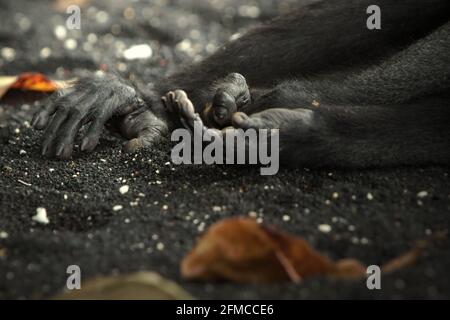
(364, 241)
(22, 152)
(8, 53)
(41, 216)
(70, 44)
(252, 214)
(286, 218)
(422, 194)
(335, 195)
(117, 207)
(369, 196)
(325, 228)
(140, 51)
(160, 246)
(124, 189)
(60, 32)
(201, 227)
(45, 52)
(4, 235)
(217, 209)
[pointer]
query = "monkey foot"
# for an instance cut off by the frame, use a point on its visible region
(178, 102)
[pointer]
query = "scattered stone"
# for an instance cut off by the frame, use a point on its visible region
(8, 54)
(60, 32)
(422, 194)
(252, 214)
(124, 189)
(140, 51)
(45, 53)
(117, 207)
(325, 228)
(369, 196)
(70, 44)
(41, 216)
(4, 235)
(24, 183)
(286, 218)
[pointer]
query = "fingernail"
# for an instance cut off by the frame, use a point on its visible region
(84, 144)
(44, 150)
(59, 150)
(34, 121)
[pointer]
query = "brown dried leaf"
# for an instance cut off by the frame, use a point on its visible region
(31, 81)
(241, 250)
(62, 5)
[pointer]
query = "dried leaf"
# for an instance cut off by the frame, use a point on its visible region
(31, 81)
(5, 84)
(35, 82)
(405, 259)
(62, 5)
(136, 286)
(241, 250)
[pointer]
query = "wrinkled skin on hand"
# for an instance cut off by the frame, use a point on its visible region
(94, 102)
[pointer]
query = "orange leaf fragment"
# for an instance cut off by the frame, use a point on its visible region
(35, 82)
(241, 250)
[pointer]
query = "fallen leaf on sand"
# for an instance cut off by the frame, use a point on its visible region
(241, 250)
(62, 5)
(5, 84)
(136, 286)
(30, 81)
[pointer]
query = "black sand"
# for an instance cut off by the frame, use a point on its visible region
(166, 204)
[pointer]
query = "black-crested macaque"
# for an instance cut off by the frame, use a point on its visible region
(340, 93)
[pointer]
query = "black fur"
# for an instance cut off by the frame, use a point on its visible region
(375, 97)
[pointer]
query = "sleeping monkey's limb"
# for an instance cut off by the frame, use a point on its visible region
(359, 136)
(420, 70)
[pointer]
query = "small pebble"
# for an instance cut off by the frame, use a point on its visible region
(325, 228)
(286, 218)
(369, 196)
(41, 216)
(117, 207)
(160, 246)
(3, 234)
(252, 214)
(60, 32)
(45, 52)
(422, 194)
(70, 44)
(124, 189)
(8, 53)
(140, 51)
